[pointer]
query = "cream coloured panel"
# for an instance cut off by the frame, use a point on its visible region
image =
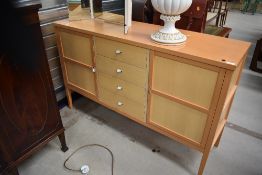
(123, 104)
(81, 77)
(122, 88)
(177, 118)
(122, 71)
(184, 81)
(76, 47)
(132, 55)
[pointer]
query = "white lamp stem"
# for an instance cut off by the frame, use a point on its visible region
(169, 34)
(169, 23)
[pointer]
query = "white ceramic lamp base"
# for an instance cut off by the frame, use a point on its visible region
(169, 34)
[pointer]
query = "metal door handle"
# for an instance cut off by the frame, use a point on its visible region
(118, 71)
(119, 87)
(120, 103)
(118, 51)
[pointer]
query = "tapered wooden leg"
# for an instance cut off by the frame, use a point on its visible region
(203, 162)
(69, 98)
(219, 138)
(61, 137)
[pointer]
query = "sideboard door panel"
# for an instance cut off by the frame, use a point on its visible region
(76, 47)
(187, 82)
(177, 118)
(81, 77)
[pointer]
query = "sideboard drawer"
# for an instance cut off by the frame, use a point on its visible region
(122, 88)
(177, 118)
(132, 55)
(123, 104)
(122, 71)
(76, 47)
(191, 83)
(81, 77)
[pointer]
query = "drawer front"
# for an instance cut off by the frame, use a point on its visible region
(80, 77)
(122, 71)
(122, 52)
(122, 104)
(76, 47)
(187, 82)
(177, 118)
(122, 88)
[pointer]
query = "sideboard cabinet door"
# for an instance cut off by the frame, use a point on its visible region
(77, 61)
(181, 96)
(177, 118)
(81, 77)
(191, 83)
(76, 47)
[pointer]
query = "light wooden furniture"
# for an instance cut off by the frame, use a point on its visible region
(184, 92)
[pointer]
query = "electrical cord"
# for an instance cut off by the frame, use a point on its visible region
(90, 145)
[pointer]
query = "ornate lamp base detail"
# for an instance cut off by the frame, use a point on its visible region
(169, 34)
(169, 38)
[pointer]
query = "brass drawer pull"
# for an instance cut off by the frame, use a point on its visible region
(118, 52)
(118, 71)
(120, 103)
(119, 87)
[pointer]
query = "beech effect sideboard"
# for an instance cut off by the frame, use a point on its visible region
(184, 92)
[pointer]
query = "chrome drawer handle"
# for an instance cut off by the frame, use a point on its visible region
(118, 51)
(118, 71)
(119, 87)
(120, 103)
(93, 69)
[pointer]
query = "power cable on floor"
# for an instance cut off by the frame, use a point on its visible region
(84, 168)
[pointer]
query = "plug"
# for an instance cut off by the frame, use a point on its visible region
(84, 169)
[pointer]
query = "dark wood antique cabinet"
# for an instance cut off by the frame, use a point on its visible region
(29, 116)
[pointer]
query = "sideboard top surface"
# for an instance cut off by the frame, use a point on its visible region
(213, 50)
